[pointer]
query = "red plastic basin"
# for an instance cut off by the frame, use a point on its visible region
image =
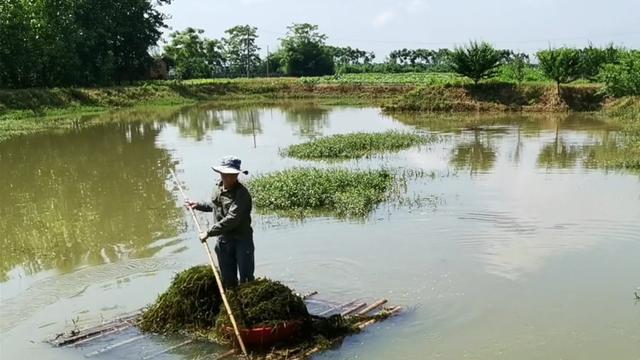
(268, 335)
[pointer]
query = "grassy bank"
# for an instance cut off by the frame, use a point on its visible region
(498, 97)
(626, 113)
(397, 91)
(31, 110)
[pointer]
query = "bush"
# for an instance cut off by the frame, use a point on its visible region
(340, 192)
(477, 61)
(356, 145)
(519, 73)
(623, 79)
(593, 60)
(560, 65)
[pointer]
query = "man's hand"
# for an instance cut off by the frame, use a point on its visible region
(203, 236)
(190, 204)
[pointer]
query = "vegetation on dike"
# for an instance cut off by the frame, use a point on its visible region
(354, 145)
(498, 97)
(626, 112)
(343, 193)
(28, 111)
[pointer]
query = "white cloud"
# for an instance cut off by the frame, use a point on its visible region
(383, 18)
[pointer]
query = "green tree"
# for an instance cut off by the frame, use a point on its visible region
(76, 42)
(241, 51)
(216, 61)
(593, 59)
(516, 66)
(19, 56)
(350, 56)
(623, 79)
(194, 56)
(271, 65)
(561, 65)
(122, 31)
(304, 52)
(477, 60)
(38, 41)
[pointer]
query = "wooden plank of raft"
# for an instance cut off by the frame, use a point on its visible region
(106, 327)
(99, 335)
(336, 308)
(390, 313)
(151, 356)
(373, 306)
(361, 326)
(116, 345)
(226, 354)
(353, 309)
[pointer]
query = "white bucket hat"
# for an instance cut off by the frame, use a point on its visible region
(229, 165)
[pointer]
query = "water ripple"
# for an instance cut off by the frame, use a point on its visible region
(50, 290)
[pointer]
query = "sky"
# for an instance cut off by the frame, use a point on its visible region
(384, 25)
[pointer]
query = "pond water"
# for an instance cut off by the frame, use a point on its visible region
(511, 245)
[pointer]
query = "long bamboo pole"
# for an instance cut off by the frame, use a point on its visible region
(215, 270)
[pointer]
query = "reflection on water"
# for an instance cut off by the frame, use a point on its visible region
(477, 155)
(194, 122)
(89, 199)
(527, 228)
(309, 120)
(531, 124)
(558, 153)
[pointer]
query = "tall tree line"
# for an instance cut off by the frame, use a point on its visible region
(76, 42)
(303, 52)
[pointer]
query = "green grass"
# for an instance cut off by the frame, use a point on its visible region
(417, 78)
(355, 145)
(626, 113)
(298, 192)
(494, 96)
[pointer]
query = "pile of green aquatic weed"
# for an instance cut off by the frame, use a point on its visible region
(261, 302)
(341, 192)
(191, 303)
(192, 307)
(355, 145)
(265, 302)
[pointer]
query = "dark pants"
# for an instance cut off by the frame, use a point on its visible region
(235, 256)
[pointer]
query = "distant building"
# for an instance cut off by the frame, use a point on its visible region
(159, 70)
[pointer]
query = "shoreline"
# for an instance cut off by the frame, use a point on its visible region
(27, 111)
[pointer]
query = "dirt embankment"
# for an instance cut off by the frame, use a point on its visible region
(499, 98)
(484, 97)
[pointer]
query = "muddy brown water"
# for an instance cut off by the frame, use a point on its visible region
(514, 247)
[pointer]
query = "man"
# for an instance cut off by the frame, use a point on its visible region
(231, 206)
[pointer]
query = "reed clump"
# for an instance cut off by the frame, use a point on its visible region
(354, 145)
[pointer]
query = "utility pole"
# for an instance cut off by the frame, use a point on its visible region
(247, 45)
(267, 60)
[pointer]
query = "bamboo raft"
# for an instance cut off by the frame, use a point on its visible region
(108, 337)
